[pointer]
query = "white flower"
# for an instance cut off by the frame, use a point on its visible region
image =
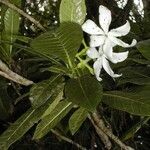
(102, 62)
(103, 37)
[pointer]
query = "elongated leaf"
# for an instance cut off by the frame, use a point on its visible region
(137, 102)
(77, 119)
(18, 37)
(56, 97)
(72, 11)
(8, 27)
(27, 120)
(11, 28)
(62, 43)
(135, 75)
(20, 127)
(42, 91)
(52, 119)
(130, 133)
(85, 91)
(140, 61)
(144, 47)
(60, 69)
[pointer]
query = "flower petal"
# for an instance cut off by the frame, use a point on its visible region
(108, 69)
(108, 48)
(91, 28)
(121, 43)
(104, 18)
(96, 40)
(92, 53)
(120, 31)
(97, 68)
(119, 57)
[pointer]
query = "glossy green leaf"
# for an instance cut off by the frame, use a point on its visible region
(144, 48)
(77, 119)
(11, 28)
(62, 43)
(52, 119)
(42, 91)
(136, 102)
(58, 69)
(135, 75)
(72, 11)
(56, 98)
(85, 91)
(28, 119)
(20, 127)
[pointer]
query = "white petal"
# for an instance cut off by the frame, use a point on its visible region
(104, 18)
(96, 40)
(92, 53)
(108, 69)
(97, 68)
(121, 43)
(119, 57)
(108, 48)
(100, 50)
(91, 28)
(120, 31)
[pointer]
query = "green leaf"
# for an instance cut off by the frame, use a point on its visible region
(85, 91)
(144, 48)
(60, 69)
(140, 61)
(77, 119)
(43, 91)
(136, 102)
(52, 119)
(20, 127)
(24, 39)
(72, 11)
(11, 28)
(56, 98)
(28, 119)
(135, 75)
(130, 133)
(62, 43)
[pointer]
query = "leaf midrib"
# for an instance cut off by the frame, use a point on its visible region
(78, 119)
(53, 118)
(64, 48)
(20, 125)
(84, 93)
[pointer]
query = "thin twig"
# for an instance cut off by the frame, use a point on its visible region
(102, 135)
(100, 124)
(7, 73)
(67, 140)
(12, 6)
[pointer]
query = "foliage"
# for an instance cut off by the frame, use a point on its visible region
(65, 91)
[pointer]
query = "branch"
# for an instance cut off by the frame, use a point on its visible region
(68, 140)
(12, 6)
(100, 124)
(102, 135)
(7, 73)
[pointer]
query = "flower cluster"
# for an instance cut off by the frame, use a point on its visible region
(102, 41)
